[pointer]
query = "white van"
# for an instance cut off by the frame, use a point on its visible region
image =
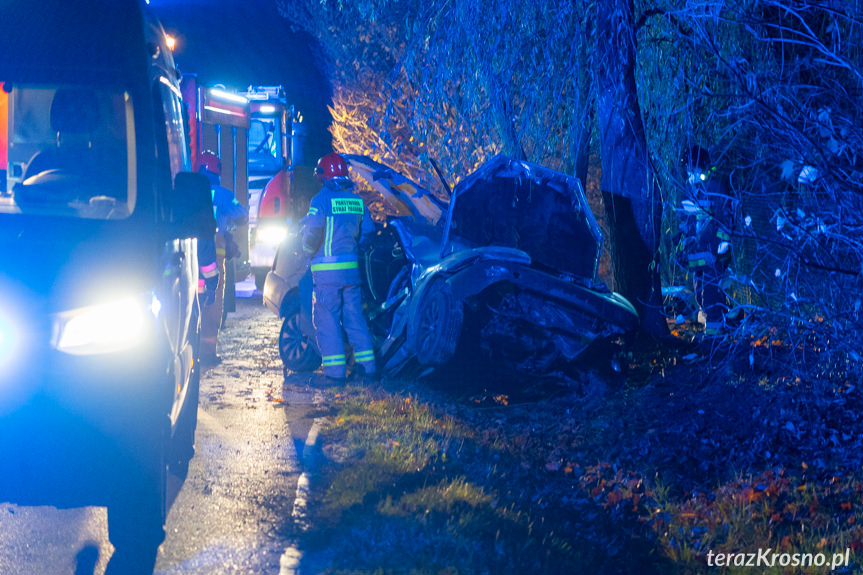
(99, 212)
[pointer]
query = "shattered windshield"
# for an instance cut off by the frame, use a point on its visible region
(66, 150)
(265, 150)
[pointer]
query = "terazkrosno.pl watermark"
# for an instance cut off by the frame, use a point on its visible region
(770, 558)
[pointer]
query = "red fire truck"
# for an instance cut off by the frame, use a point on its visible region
(271, 158)
(219, 122)
(256, 134)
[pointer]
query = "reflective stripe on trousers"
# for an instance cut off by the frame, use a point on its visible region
(211, 315)
(337, 308)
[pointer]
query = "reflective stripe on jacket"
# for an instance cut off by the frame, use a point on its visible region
(336, 222)
(703, 217)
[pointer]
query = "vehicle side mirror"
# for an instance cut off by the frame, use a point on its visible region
(191, 206)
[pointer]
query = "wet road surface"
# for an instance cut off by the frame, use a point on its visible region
(236, 512)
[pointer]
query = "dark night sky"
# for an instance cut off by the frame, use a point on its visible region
(242, 42)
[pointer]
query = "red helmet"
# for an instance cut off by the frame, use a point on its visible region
(211, 163)
(331, 166)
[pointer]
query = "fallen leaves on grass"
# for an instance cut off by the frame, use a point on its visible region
(678, 459)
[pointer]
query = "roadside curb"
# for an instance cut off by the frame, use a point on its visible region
(290, 562)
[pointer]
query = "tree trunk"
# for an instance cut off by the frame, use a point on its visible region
(628, 184)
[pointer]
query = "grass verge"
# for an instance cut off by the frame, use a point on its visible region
(407, 487)
(647, 474)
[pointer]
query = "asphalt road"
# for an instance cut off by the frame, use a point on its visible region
(238, 511)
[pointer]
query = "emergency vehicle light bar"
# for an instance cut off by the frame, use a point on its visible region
(265, 93)
(223, 95)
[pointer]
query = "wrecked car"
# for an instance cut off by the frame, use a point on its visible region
(506, 269)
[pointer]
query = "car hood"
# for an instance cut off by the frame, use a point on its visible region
(397, 190)
(517, 204)
(70, 263)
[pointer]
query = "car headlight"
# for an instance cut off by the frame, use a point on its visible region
(10, 335)
(105, 328)
(271, 234)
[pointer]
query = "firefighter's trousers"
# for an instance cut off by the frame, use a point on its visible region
(211, 315)
(339, 307)
(710, 298)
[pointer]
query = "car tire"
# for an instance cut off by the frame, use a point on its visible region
(296, 348)
(136, 513)
(183, 441)
(435, 324)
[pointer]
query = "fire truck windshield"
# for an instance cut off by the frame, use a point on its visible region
(265, 150)
(66, 150)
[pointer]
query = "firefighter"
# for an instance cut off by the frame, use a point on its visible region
(208, 270)
(337, 222)
(229, 213)
(705, 241)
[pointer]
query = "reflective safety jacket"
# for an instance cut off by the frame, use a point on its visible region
(337, 222)
(705, 240)
(226, 209)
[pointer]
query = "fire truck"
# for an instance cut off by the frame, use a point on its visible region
(275, 146)
(220, 122)
(258, 137)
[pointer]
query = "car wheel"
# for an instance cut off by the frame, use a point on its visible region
(435, 324)
(136, 513)
(297, 349)
(183, 442)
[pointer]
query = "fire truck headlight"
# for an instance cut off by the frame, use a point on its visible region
(105, 328)
(271, 234)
